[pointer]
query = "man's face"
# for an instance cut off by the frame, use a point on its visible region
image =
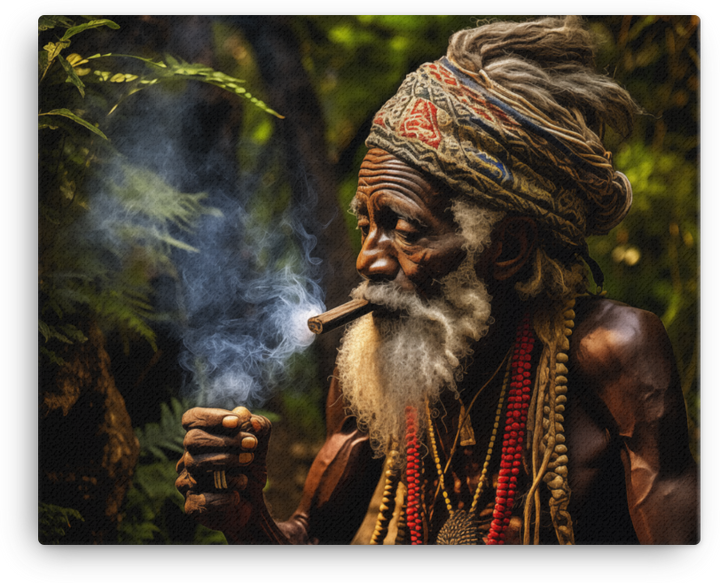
(432, 305)
(408, 234)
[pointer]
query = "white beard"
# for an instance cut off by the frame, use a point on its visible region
(389, 362)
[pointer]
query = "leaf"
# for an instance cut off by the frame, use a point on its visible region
(52, 357)
(70, 115)
(170, 240)
(45, 125)
(54, 521)
(73, 333)
(48, 22)
(92, 24)
(54, 49)
(44, 329)
(173, 62)
(175, 69)
(72, 75)
(42, 61)
(167, 436)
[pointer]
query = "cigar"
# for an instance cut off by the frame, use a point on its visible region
(339, 316)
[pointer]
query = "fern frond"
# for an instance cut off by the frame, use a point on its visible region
(54, 521)
(167, 436)
(172, 69)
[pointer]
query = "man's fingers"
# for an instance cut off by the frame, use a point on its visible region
(258, 425)
(199, 441)
(225, 421)
(211, 509)
(214, 461)
(217, 480)
(205, 417)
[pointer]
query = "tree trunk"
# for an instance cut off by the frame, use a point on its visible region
(290, 92)
(87, 446)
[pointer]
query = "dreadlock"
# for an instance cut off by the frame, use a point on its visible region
(549, 64)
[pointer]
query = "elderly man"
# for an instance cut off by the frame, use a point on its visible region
(512, 405)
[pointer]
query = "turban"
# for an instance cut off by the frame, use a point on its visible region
(492, 145)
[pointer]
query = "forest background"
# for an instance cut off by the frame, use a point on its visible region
(173, 168)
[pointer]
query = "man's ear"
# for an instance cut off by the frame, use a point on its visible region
(514, 243)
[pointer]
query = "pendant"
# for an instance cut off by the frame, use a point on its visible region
(460, 529)
(467, 435)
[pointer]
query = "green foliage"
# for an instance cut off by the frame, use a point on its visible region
(106, 227)
(104, 262)
(54, 522)
(70, 115)
(153, 511)
(172, 69)
(166, 436)
(652, 259)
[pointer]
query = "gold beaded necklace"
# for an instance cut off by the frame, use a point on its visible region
(461, 528)
(392, 473)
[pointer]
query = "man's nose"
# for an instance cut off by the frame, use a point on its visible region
(376, 260)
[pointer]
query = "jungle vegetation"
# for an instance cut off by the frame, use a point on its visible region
(146, 124)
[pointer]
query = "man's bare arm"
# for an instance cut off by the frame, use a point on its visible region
(629, 354)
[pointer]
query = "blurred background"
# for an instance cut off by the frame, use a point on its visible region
(194, 180)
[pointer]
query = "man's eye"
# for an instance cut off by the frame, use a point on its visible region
(406, 237)
(407, 232)
(363, 224)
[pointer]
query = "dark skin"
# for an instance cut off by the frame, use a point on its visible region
(631, 473)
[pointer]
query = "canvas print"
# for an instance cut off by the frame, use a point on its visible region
(377, 280)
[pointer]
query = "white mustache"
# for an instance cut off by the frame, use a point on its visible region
(389, 295)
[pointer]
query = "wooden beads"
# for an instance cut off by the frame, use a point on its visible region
(556, 476)
(387, 506)
(401, 524)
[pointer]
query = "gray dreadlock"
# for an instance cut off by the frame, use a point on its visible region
(550, 63)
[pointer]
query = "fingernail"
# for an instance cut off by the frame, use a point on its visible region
(249, 442)
(242, 412)
(245, 458)
(230, 422)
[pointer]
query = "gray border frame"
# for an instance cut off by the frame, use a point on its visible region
(19, 358)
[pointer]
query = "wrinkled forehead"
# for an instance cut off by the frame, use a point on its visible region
(381, 171)
(380, 167)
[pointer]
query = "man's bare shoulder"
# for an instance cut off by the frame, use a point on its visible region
(614, 343)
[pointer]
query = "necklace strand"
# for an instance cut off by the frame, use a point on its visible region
(496, 424)
(491, 445)
(457, 436)
(414, 508)
(513, 440)
(514, 434)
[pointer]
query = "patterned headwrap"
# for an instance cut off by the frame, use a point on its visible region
(490, 144)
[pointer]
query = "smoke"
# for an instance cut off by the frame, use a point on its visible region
(239, 302)
(246, 298)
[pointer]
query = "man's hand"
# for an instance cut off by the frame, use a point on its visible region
(223, 470)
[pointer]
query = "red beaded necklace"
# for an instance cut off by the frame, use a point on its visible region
(514, 437)
(513, 440)
(414, 507)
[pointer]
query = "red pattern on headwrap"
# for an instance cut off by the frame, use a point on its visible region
(421, 123)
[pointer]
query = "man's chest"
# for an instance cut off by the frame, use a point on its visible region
(598, 503)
